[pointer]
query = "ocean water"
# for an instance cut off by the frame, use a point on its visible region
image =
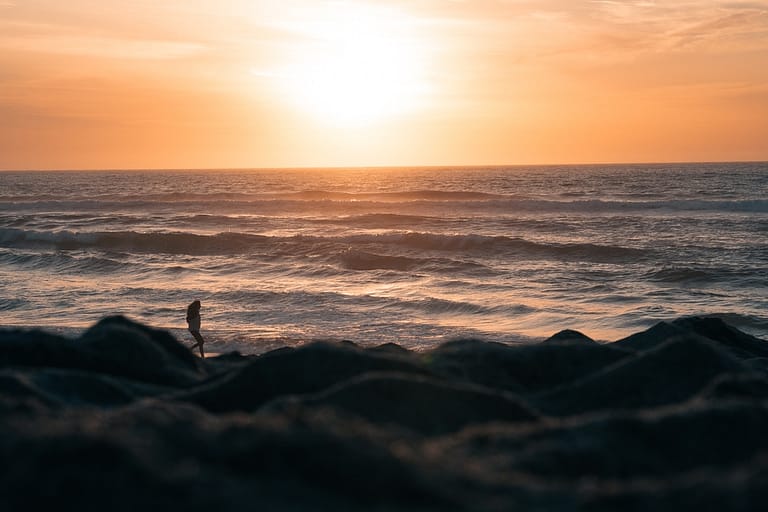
(415, 256)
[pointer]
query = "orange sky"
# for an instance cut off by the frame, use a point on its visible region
(273, 83)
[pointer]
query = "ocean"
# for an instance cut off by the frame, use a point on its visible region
(414, 256)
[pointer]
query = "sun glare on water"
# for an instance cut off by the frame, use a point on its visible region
(355, 65)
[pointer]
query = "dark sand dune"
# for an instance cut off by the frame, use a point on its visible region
(737, 386)
(307, 369)
(669, 373)
(426, 405)
(650, 338)
(739, 343)
(125, 418)
(523, 369)
(569, 336)
(629, 445)
(66, 388)
(114, 346)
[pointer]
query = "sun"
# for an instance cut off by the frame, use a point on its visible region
(355, 65)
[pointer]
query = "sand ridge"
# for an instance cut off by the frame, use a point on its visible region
(125, 417)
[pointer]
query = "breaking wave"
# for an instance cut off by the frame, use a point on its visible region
(428, 200)
(240, 243)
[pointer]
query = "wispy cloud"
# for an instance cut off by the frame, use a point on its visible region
(732, 26)
(682, 25)
(63, 43)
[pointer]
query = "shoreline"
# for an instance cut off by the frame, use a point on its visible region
(254, 342)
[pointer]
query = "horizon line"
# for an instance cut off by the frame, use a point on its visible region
(402, 166)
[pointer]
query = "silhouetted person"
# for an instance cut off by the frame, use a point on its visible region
(193, 320)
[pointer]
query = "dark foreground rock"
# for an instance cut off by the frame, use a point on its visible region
(125, 418)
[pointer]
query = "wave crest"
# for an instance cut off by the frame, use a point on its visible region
(361, 245)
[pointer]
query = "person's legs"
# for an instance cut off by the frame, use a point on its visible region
(197, 340)
(199, 343)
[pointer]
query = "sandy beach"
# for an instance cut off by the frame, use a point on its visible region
(126, 418)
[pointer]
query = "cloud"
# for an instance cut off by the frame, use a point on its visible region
(94, 46)
(58, 39)
(727, 24)
(611, 30)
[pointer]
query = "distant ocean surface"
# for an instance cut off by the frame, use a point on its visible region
(415, 256)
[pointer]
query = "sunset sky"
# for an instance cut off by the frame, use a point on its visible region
(273, 83)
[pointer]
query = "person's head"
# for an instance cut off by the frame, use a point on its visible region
(195, 304)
